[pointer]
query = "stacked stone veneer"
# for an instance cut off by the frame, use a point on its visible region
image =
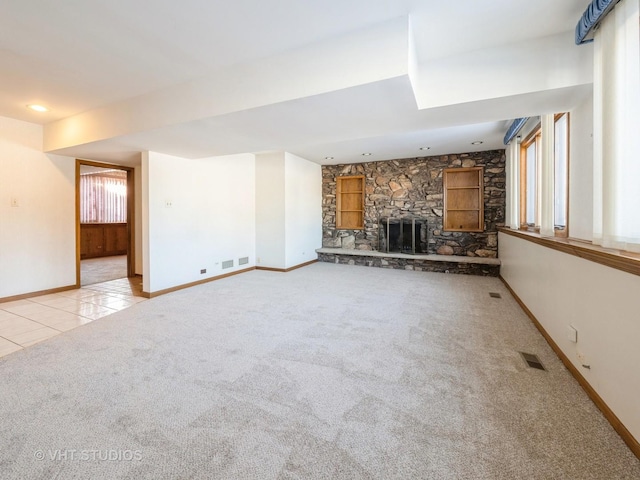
(413, 187)
(417, 264)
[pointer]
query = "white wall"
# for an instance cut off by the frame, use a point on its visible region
(199, 213)
(270, 210)
(144, 220)
(602, 303)
(288, 210)
(581, 170)
(303, 210)
(533, 65)
(37, 238)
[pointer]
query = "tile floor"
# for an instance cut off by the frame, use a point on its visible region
(29, 321)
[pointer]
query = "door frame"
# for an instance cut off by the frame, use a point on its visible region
(131, 264)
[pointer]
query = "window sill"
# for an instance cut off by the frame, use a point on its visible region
(558, 231)
(626, 261)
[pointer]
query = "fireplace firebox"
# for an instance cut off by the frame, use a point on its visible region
(402, 235)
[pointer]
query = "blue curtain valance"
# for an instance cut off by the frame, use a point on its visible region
(515, 127)
(595, 12)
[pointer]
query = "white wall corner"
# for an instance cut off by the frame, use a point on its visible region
(37, 234)
(303, 210)
(270, 210)
(413, 66)
(144, 221)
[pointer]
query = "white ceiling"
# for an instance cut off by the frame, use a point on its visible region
(86, 57)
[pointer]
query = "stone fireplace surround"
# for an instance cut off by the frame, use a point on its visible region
(413, 188)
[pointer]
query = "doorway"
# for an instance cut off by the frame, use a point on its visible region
(104, 222)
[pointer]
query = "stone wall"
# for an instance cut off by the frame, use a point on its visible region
(417, 264)
(413, 187)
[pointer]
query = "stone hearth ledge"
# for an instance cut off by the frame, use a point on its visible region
(406, 256)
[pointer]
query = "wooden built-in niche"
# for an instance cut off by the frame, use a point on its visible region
(350, 202)
(463, 199)
(103, 239)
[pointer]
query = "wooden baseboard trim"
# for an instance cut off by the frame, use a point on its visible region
(615, 422)
(219, 277)
(193, 284)
(37, 294)
(284, 270)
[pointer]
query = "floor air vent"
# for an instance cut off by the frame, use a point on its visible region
(495, 295)
(243, 261)
(227, 264)
(532, 360)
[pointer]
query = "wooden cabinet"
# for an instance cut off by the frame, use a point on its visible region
(103, 239)
(350, 203)
(91, 243)
(463, 199)
(115, 238)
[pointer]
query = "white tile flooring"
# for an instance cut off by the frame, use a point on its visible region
(29, 321)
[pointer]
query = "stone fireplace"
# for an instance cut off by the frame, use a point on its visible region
(413, 188)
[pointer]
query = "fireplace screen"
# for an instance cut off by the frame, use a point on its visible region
(402, 235)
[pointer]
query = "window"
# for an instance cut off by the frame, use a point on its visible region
(103, 197)
(529, 192)
(350, 203)
(463, 199)
(531, 177)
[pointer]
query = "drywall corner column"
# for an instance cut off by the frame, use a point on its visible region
(270, 210)
(303, 210)
(288, 210)
(144, 221)
(137, 226)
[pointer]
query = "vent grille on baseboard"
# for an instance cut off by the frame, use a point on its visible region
(243, 261)
(532, 360)
(227, 264)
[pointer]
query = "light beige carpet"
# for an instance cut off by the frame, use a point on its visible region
(103, 269)
(326, 372)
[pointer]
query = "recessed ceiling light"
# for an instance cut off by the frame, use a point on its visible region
(477, 142)
(425, 148)
(367, 154)
(38, 108)
(328, 158)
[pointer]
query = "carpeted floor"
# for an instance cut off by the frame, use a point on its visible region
(326, 372)
(103, 269)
